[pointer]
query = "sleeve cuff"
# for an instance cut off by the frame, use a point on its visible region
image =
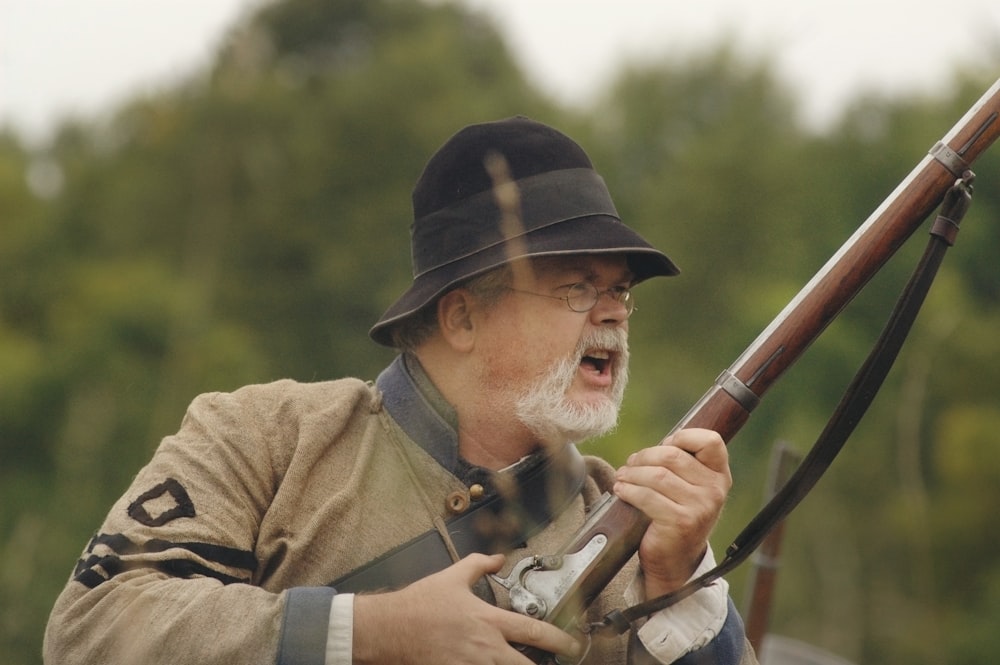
(690, 624)
(305, 626)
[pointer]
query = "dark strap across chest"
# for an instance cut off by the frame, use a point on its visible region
(497, 523)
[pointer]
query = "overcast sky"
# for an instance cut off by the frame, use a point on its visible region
(85, 56)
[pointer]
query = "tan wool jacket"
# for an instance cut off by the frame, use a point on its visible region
(242, 519)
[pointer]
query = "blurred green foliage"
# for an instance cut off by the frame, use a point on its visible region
(251, 224)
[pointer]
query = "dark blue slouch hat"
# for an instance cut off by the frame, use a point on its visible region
(562, 207)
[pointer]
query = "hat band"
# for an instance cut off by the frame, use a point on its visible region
(473, 224)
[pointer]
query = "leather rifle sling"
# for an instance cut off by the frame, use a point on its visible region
(849, 412)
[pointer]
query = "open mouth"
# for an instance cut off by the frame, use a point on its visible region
(597, 361)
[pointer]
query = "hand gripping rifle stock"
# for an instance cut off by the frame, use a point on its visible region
(558, 588)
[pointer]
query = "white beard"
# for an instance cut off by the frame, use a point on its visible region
(555, 419)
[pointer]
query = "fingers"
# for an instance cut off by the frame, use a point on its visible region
(706, 446)
(474, 566)
(681, 484)
(522, 630)
(687, 450)
(439, 614)
(515, 628)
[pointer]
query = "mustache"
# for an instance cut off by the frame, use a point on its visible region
(609, 339)
(547, 411)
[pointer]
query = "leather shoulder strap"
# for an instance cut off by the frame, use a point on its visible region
(499, 522)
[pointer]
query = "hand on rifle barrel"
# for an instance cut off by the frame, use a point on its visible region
(438, 619)
(681, 486)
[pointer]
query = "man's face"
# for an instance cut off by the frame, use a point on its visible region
(562, 372)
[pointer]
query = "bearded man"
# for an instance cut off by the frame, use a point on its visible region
(350, 522)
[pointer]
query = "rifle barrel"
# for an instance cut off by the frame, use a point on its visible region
(726, 406)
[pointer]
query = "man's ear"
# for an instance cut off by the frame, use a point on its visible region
(454, 311)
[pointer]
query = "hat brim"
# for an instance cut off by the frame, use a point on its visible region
(594, 234)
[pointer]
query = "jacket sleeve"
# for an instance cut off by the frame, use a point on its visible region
(728, 647)
(170, 576)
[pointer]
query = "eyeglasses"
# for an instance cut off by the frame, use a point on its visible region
(583, 296)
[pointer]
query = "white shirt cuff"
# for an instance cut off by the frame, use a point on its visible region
(690, 624)
(340, 636)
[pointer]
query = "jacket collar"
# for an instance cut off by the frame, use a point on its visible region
(417, 406)
(422, 412)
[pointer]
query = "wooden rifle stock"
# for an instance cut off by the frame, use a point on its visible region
(726, 406)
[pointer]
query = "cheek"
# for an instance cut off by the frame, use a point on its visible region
(523, 357)
(516, 357)
(521, 344)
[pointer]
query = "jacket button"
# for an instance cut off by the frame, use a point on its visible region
(476, 492)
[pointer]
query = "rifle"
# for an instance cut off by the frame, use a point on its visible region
(559, 587)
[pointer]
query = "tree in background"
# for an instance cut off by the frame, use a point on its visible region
(247, 225)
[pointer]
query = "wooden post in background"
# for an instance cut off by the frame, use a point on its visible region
(761, 582)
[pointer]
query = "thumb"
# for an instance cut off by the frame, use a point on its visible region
(474, 566)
